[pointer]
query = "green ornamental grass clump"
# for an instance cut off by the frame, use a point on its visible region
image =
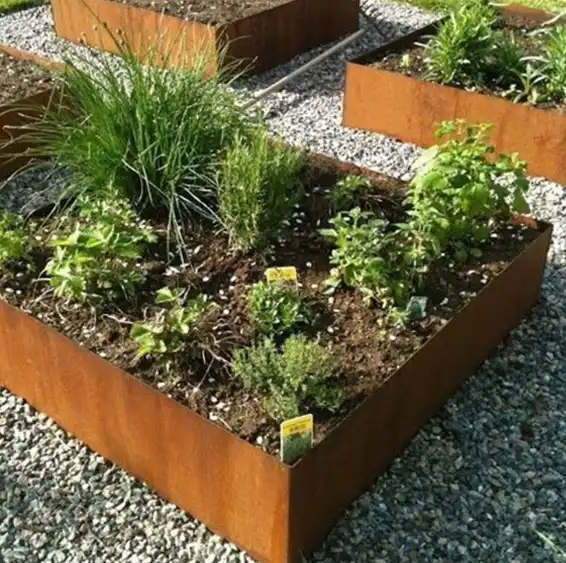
(155, 133)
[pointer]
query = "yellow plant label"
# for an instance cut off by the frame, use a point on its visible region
(284, 275)
(296, 437)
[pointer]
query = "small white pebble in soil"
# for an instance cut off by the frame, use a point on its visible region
(330, 300)
(309, 264)
(259, 440)
(392, 337)
(213, 416)
(335, 310)
(299, 284)
(206, 279)
(213, 400)
(314, 285)
(8, 290)
(233, 279)
(330, 330)
(226, 312)
(211, 380)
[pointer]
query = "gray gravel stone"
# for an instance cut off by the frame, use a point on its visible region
(474, 486)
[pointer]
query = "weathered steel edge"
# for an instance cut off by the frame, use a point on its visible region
(274, 48)
(409, 38)
(347, 462)
(16, 112)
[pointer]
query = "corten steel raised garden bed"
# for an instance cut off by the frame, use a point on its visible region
(408, 108)
(20, 111)
(276, 512)
(266, 39)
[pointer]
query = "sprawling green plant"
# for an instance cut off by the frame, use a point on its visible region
(96, 254)
(275, 309)
(360, 256)
(258, 186)
(292, 379)
(464, 46)
(461, 191)
(12, 237)
(155, 133)
(457, 197)
(345, 193)
(173, 327)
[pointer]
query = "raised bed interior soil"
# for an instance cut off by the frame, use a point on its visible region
(20, 79)
(365, 356)
(514, 25)
(207, 11)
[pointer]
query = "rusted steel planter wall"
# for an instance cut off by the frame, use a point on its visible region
(271, 37)
(278, 513)
(408, 109)
(19, 112)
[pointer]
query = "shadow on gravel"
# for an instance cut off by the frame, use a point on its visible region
(328, 76)
(487, 472)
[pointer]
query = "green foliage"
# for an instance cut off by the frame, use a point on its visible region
(276, 309)
(553, 64)
(545, 5)
(13, 5)
(453, 203)
(258, 186)
(173, 327)
(360, 256)
(461, 191)
(96, 256)
(464, 46)
(293, 379)
(12, 237)
(155, 133)
(345, 193)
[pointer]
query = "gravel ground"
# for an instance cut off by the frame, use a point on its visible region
(474, 486)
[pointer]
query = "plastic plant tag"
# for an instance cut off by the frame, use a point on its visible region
(286, 275)
(416, 308)
(296, 437)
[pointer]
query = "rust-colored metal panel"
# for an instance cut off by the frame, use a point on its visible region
(281, 33)
(269, 38)
(363, 446)
(100, 23)
(408, 109)
(20, 112)
(239, 491)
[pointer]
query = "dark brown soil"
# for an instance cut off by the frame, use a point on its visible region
(366, 355)
(19, 79)
(210, 12)
(515, 26)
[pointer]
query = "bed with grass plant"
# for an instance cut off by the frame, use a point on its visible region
(505, 67)
(136, 310)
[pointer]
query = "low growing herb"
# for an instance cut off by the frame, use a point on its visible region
(12, 237)
(293, 379)
(97, 258)
(173, 327)
(345, 193)
(275, 309)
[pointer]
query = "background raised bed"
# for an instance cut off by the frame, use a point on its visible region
(408, 109)
(269, 38)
